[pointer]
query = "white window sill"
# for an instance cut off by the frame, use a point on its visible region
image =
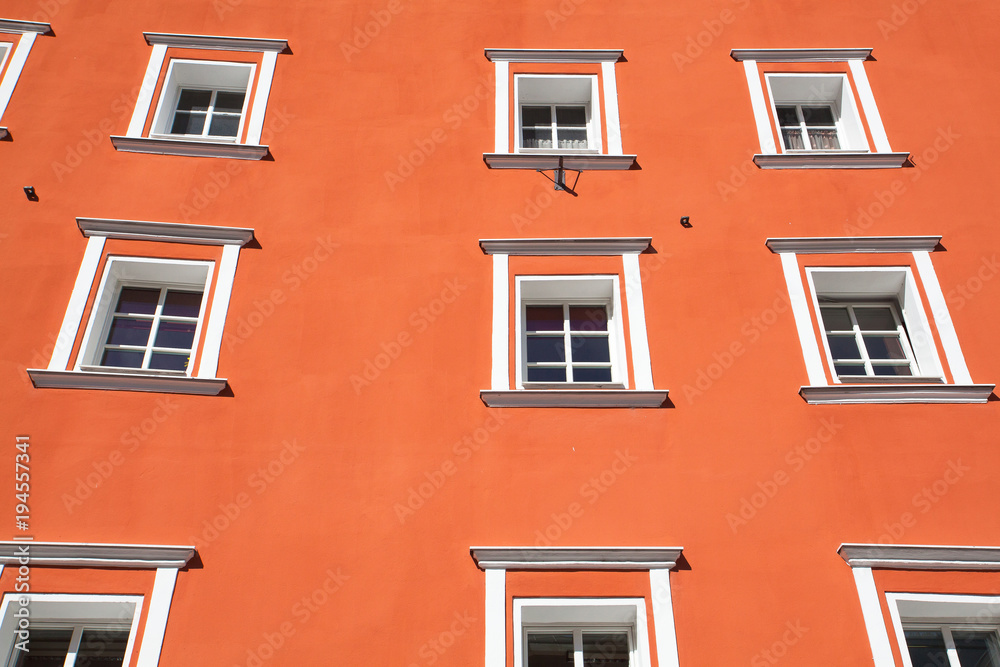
(897, 393)
(573, 398)
(168, 384)
(889, 379)
(832, 160)
(573, 161)
(572, 385)
(188, 147)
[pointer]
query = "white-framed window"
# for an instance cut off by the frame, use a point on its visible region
(566, 333)
(561, 119)
(866, 332)
(580, 632)
(16, 40)
(946, 630)
(69, 630)
(155, 324)
(810, 119)
(148, 316)
(569, 331)
(204, 107)
(815, 112)
(203, 100)
(557, 113)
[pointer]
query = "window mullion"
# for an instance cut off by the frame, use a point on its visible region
(567, 343)
(949, 643)
(860, 341)
(577, 648)
(74, 646)
(154, 328)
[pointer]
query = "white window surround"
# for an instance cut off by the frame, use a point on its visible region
(15, 57)
(165, 560)
(203, 75)
(864, 557)
(214, 73)
(857, 154)
(495, 561)
(878, 281)
(83, 376)
(610, 157)
(502, 394)
(967, 611)
(587, 613)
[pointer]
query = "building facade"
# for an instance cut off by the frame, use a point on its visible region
(522, 334)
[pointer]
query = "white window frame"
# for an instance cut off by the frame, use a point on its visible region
(554, 90)
(882, 281)
(603, 115)
(893, 285)
(546, 290)
(508, 392)
(119, 612)
(581, 614)
(933, 611)
(185, 74)
(14, 57)
(216, 75)
(144, 272)
(119, 270)
(831, 90)
(857, 153)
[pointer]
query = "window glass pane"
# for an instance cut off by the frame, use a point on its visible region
(892, 370)
(572, 138)
(536, 116)
(169, 362)
(843, 347)
(536, 138)
(787, 116)
(545, 348)
(836, 319)
(178, 335)
(231, 102)
(182, 304)
(47, 647)
(588, 349)
(550, 650)
(123, 358)
(875, 319)
(824, 140)
(571, 117)
(536, 374)
(588, 318)
(137, 301)
(128, 331)
(544, 318)
(976, 648)
(102, 648)
(224, 126)
(591, 374)
(188, 123)
(194, 100)
(605, 649)
(818, 115)
(926, 648)
(884, 347)
(793, 139)
(849, 369)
